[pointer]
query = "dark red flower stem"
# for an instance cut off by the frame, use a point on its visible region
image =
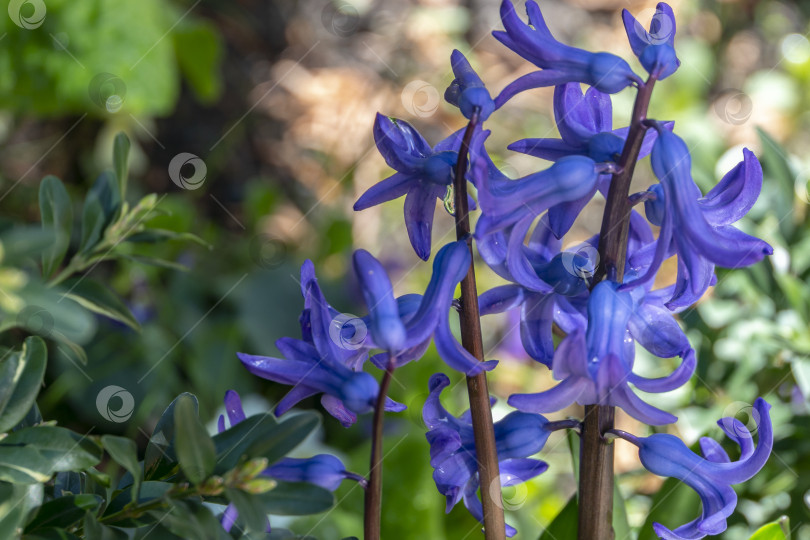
(470, 318)
(373, 497)
(596, 453)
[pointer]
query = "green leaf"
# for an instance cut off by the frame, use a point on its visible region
(98, 299)
(121, 147)
(251, 510)
(20, 243)
(777, 530)
(199, 54)
(297, 499)
(159, 458)
(101, 207)
(63, 511)
(25, 381)
(621, 528)
(673, 505)
(16, 501)
(286, 436)
(125, 452)
(232, 444)
(56, 212)
(149, 492)
(195, 449)
(93, 530)
(566, 524)
(64, 449)
(21, 465)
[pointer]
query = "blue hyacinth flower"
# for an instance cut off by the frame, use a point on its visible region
(559, 63)
(467, 91)
(596, 366)
(585, 123)
(698, 229)
(324, 470)
(452, 450)
(423, 175)
(655, 48)
(712, 475)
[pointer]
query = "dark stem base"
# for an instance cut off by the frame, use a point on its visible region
(373, 498)
(596, 475)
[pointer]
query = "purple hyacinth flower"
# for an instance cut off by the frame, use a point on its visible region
(324, 470)
(698, 229)
(585, 122)
(560, 63)
(467, 91)
(712, 475)
(453, 457)
(655, 48)
(596, 366)
(423, 175)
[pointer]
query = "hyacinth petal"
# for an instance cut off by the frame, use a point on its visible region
(229, 517)
(233, 407)
(536, 318)
(391, 188)
(713, 450)
(500, 299)
(456, 356)
(449, 267)
(561, 217)
(655, 329)
(402, 147)
(443, 444)
(518, 470)
(394, 406)
(517, 262)
(324, 470)
(284, 371)
(386, 326)
(639, 409)
(420, 205)
(555, 399)
(661, 252)
(322, 320)
(338, 410)
(676, 379)
(450, 143)
(476, 509)
(549, 149)
(467, 90)
(221, 423)
(295, 395)
(580, 115)
(530, 81)
(735, 194)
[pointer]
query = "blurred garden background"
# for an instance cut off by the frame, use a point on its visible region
(274, 102)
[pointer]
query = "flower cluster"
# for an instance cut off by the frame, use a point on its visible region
(603, 309)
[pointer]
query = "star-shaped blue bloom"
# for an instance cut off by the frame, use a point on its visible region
(712, 475)
(585, 123)
(655, 48)
(423, 175)
(698, 229)
(596, 366)
(453, 457)
(560, 63)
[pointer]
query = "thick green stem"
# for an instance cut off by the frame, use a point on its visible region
(596, 454)
(471, 339)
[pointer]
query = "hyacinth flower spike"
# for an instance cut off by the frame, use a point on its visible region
(712, 475)
(324, 470)
(423, 175)
(452, 450)
(559, 63)
(467, 91)
(695, 228)
(596, 366)
(585, 122)
(655, 48)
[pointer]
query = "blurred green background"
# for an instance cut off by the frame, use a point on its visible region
(278, 98)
